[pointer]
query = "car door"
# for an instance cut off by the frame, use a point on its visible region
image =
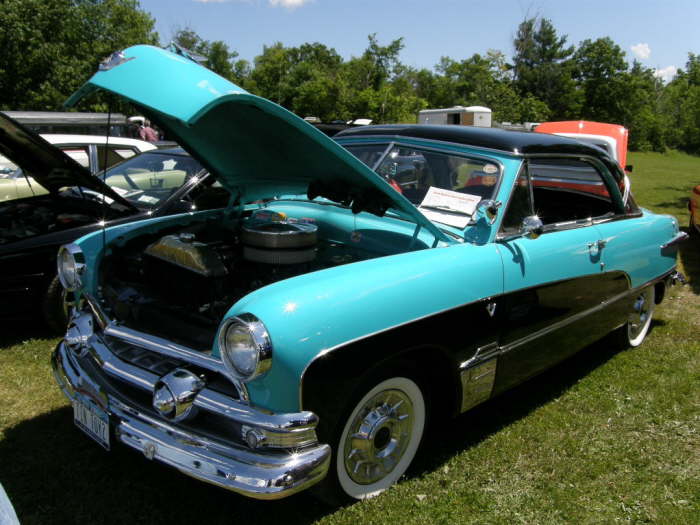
(555, 284)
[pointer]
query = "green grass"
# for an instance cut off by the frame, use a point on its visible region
(606, 436)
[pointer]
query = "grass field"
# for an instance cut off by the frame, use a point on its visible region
(605, 437)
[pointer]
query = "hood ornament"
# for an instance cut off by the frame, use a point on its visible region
(115, 59)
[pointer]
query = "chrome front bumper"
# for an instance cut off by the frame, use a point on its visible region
(261, 474)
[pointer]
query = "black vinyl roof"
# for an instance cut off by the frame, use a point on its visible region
(518, 142)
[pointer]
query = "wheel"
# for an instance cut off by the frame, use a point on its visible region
(639, 318)
(55, 308)
(377, 439)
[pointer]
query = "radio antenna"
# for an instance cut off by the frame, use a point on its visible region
(104, 169)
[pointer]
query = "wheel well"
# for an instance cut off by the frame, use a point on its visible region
(332, 381)
(659, 292)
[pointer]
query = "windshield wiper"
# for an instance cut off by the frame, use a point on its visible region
(448, 209)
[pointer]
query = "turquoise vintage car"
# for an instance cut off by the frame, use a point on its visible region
(305, 334)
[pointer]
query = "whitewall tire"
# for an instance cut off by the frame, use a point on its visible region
(380, 437)
(639, 319)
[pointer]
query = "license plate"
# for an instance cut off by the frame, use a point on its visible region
(92, 420)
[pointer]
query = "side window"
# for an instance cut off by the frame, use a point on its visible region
(80, 154)
(566, 190)
(115, 154)
(413, 171)
(519, 205)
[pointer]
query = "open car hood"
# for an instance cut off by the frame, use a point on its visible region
(45, 163)
(254, 147)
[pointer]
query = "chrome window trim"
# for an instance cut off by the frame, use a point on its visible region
(398, 143)
(574, 224)
(400, 138)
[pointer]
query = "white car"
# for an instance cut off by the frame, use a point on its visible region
(87, 150)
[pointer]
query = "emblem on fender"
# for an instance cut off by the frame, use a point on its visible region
(174, 394)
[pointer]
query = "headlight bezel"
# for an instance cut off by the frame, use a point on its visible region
(261, 345)
(71, 279)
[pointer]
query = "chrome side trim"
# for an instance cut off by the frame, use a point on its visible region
(477, 383)
(677, 239)
(253, 473)
(576, 317)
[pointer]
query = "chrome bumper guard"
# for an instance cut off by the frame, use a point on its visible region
(287, 457)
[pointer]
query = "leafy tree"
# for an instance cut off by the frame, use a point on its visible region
(543, 67)
(601, 71)
(218, 57)
(48, 48)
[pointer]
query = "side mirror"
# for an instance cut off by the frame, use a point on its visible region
(628, 168)
(531, 227)
(491, 208)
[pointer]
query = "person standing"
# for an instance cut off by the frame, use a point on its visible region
(146, 132)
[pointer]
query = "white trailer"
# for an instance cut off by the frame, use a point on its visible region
(470, 116)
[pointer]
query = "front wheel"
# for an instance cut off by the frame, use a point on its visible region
(55, 307)
(378, 440)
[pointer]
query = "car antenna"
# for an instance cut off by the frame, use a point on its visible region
(104, 169)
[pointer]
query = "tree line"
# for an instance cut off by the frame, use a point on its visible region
(49, 47)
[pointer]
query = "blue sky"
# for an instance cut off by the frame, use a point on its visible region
(658, 33)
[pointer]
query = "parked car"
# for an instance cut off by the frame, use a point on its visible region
(70, 204)
(307, 333)
(611, 138)
(88, 151)
(694, 208)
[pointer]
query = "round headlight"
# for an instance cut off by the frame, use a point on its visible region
(245, 347)
(70, 265)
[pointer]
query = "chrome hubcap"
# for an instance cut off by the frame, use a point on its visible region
(639, 317)
(378, 437)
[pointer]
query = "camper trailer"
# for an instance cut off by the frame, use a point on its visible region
(470, 116)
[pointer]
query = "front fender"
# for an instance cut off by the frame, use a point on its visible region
(321, 312)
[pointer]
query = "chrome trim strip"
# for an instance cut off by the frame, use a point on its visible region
(165, 347)
(207, 399)
(677, 239)
(576, 317)
(261, 475)
(162, 346)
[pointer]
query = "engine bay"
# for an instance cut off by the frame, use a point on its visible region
(180, 283)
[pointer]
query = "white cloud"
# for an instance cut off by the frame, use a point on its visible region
(666, 74)
(641, 51)
(289, 4)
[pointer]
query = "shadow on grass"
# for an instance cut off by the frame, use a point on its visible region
(491, 417)
(679, 204)
(15, 332)
(53, 473)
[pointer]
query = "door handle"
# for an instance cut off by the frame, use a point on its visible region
(599, 244)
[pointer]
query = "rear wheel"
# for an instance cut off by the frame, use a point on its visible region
(639, 318)
(376, 440)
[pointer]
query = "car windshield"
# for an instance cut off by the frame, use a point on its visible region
(413, 171)
(148, 179)
(7, 168)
